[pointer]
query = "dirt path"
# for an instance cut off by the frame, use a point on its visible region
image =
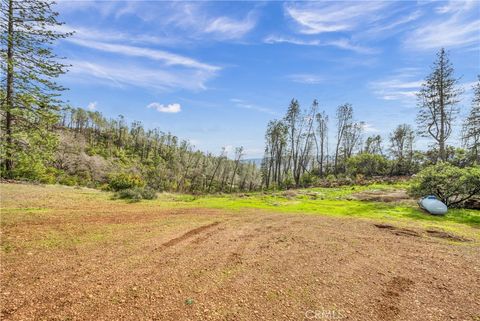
(247, 266)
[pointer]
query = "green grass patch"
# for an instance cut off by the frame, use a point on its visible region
(25, 204)
(331, 202)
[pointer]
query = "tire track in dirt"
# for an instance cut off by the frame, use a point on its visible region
(252, 238)
(189, 234)
(391, 295)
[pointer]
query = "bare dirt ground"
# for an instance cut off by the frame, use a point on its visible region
(200, 264)
(396, 195)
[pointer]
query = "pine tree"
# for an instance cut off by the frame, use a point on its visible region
(437, 101)
(30, 95)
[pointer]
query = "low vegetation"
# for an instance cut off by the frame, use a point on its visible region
(22, 201)
(452, 185)
(136, 194)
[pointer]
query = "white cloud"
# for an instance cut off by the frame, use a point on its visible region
(342, 43)
(170, 108)
(456, 24)
(454, 6)
(187, 20)
(240, 103)
(295, 41)
(395, 24)
(396, 89)
(120, 75)
(369, 128)
(92, 106)
(309, 79)
(154, 54)
(402, 86)
(108, 35)
(229, 28)
(321, 17)
(105, 8)
(348, 45)
(174, 72)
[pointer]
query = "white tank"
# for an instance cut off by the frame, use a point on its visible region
(432, 205)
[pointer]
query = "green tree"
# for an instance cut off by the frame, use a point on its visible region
(401, 148)
(451, 184)
(29, 92)
(373, 145)
(344, 122)
(367, 165)
(471, 125)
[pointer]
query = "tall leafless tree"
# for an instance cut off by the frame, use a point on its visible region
(437, 102)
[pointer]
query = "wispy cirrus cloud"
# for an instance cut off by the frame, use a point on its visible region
(404, 84)
(454, 24)
(295, 41)
(131, 62)
(115, 36)
(123, 75)
(404, 20)
(188, 20)
(369, 128)
(326, 17)
(342, 43)
(401, 86)
(170, 108)
(154, 54)
(228, 28)
(240, 103)
(309, 79)
(394, 89)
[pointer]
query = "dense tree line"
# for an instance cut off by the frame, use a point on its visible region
(296, 146)
(93, 147)
(43, 140)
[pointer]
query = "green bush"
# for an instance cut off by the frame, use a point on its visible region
(149, 193)
(451, 184)
(125, 181)
(308, 179)
(367, 165)
(136, 194)
(67, 180)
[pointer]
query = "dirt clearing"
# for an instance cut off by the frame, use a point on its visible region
(248, 267)
(395, 195)
(196, 264)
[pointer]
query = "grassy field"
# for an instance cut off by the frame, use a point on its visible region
(76, 254)
(22, 203)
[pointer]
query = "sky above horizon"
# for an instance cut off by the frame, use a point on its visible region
(215, 73)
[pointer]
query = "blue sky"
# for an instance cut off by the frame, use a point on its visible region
(216, 72)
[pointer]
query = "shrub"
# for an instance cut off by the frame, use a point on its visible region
(136, 194)
(149, 193)
(307, 180)
(67, 180)
(451, 184)
(125, 181)
(367, 164)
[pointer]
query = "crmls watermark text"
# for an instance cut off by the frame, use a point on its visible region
(324, 314)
